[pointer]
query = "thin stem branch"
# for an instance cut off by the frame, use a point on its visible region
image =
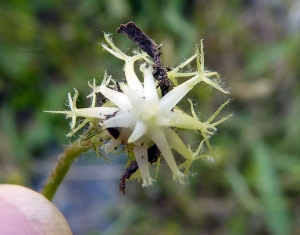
(63, 165)
(135, 34)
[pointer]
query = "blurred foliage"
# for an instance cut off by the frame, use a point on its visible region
(49, 47)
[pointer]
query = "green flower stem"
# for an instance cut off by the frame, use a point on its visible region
(63, 165)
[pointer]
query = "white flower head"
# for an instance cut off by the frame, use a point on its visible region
(142, 118)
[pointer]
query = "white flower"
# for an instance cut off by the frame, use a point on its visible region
(143, 118)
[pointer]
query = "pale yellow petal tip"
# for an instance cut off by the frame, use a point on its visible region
(180, 177)
(147, 182)
(208, 158)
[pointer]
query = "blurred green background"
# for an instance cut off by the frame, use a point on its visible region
(47, 48)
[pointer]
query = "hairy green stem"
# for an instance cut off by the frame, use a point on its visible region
(63, 165)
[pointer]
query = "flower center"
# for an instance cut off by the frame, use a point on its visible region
(148, 114)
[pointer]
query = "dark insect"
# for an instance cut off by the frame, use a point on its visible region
(114, 132)
(153, 154)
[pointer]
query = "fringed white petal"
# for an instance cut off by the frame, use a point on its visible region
(116, 97)
(111, 145)
(159, 138)
(134, 99)
(120, 120)
(173, 74)
(162, 121)
(141, 156)
(96, 112)
(150, 92)
(176, 143)
(133, 82)
(140, 129)
(116, 51)
(184, 121)
(167, 102)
